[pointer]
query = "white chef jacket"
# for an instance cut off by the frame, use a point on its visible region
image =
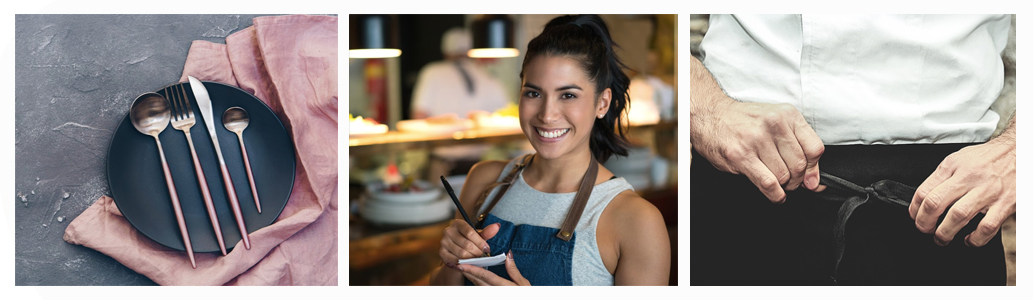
(440, 89)
(867, 79)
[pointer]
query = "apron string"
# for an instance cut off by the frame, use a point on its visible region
(887, 191)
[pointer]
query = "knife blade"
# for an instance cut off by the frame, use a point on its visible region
(204, 103)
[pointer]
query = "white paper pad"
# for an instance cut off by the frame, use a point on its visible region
(484, 261)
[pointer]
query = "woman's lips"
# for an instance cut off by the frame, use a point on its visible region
(551, 134)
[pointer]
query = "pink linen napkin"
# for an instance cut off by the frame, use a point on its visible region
(290, 63)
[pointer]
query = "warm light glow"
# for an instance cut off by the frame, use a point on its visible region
(493, 52)
(374, 53)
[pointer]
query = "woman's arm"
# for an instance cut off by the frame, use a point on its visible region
(638, 238)
(480, 176)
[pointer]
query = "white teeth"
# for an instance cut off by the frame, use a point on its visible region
(553, 133)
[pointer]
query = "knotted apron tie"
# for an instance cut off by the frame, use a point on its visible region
(853, 196)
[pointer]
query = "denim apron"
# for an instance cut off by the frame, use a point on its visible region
(542, 254)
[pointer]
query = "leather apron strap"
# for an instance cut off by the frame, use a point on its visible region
(576, 208)
(580, 200)
(505, 184)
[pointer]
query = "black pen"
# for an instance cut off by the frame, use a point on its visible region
(451, 193)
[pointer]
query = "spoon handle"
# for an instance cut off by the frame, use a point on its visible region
(247, 166)
(206, 194)
(175, 204)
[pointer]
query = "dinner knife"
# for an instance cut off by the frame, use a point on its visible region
(204, 103)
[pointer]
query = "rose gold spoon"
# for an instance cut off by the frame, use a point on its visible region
(150, 115)
(235, 119)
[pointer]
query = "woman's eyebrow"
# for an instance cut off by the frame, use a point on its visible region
(528, 85)
(569, 87)
(565, 87)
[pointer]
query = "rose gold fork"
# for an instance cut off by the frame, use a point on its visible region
(183, 120)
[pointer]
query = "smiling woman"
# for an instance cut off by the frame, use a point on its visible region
(557, 223)
(556, 113)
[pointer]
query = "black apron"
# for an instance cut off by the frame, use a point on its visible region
(856, 232)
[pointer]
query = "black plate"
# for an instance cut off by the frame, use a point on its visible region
(137, 182)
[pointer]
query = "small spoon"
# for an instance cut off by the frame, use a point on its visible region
(150, 115)
(235, 119)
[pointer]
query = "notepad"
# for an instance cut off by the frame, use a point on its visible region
(484, 261)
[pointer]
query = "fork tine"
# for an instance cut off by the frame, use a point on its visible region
(182, 112)
(186, 101)
(172, 100)
(177, 104)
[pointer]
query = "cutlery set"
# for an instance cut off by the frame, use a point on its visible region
(151, 113)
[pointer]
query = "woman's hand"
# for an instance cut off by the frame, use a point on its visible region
(480, 276)
(457, 238)
(462, 241)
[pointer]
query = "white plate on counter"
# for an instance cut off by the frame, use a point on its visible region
(428, 193)
(393, 213)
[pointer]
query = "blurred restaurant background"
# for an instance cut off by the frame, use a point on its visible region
(430, 95)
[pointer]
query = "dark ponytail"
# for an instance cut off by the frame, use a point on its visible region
(587, 39)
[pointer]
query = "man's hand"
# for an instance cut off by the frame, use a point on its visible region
(771, 144)
(979, 178)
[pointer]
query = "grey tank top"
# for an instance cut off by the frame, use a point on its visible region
(522, 204)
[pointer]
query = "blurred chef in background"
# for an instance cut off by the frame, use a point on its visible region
(455, 85)
(451, 89)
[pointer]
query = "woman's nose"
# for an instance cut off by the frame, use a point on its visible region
(549, 112)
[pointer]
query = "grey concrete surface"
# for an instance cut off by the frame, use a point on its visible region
(75, 77)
